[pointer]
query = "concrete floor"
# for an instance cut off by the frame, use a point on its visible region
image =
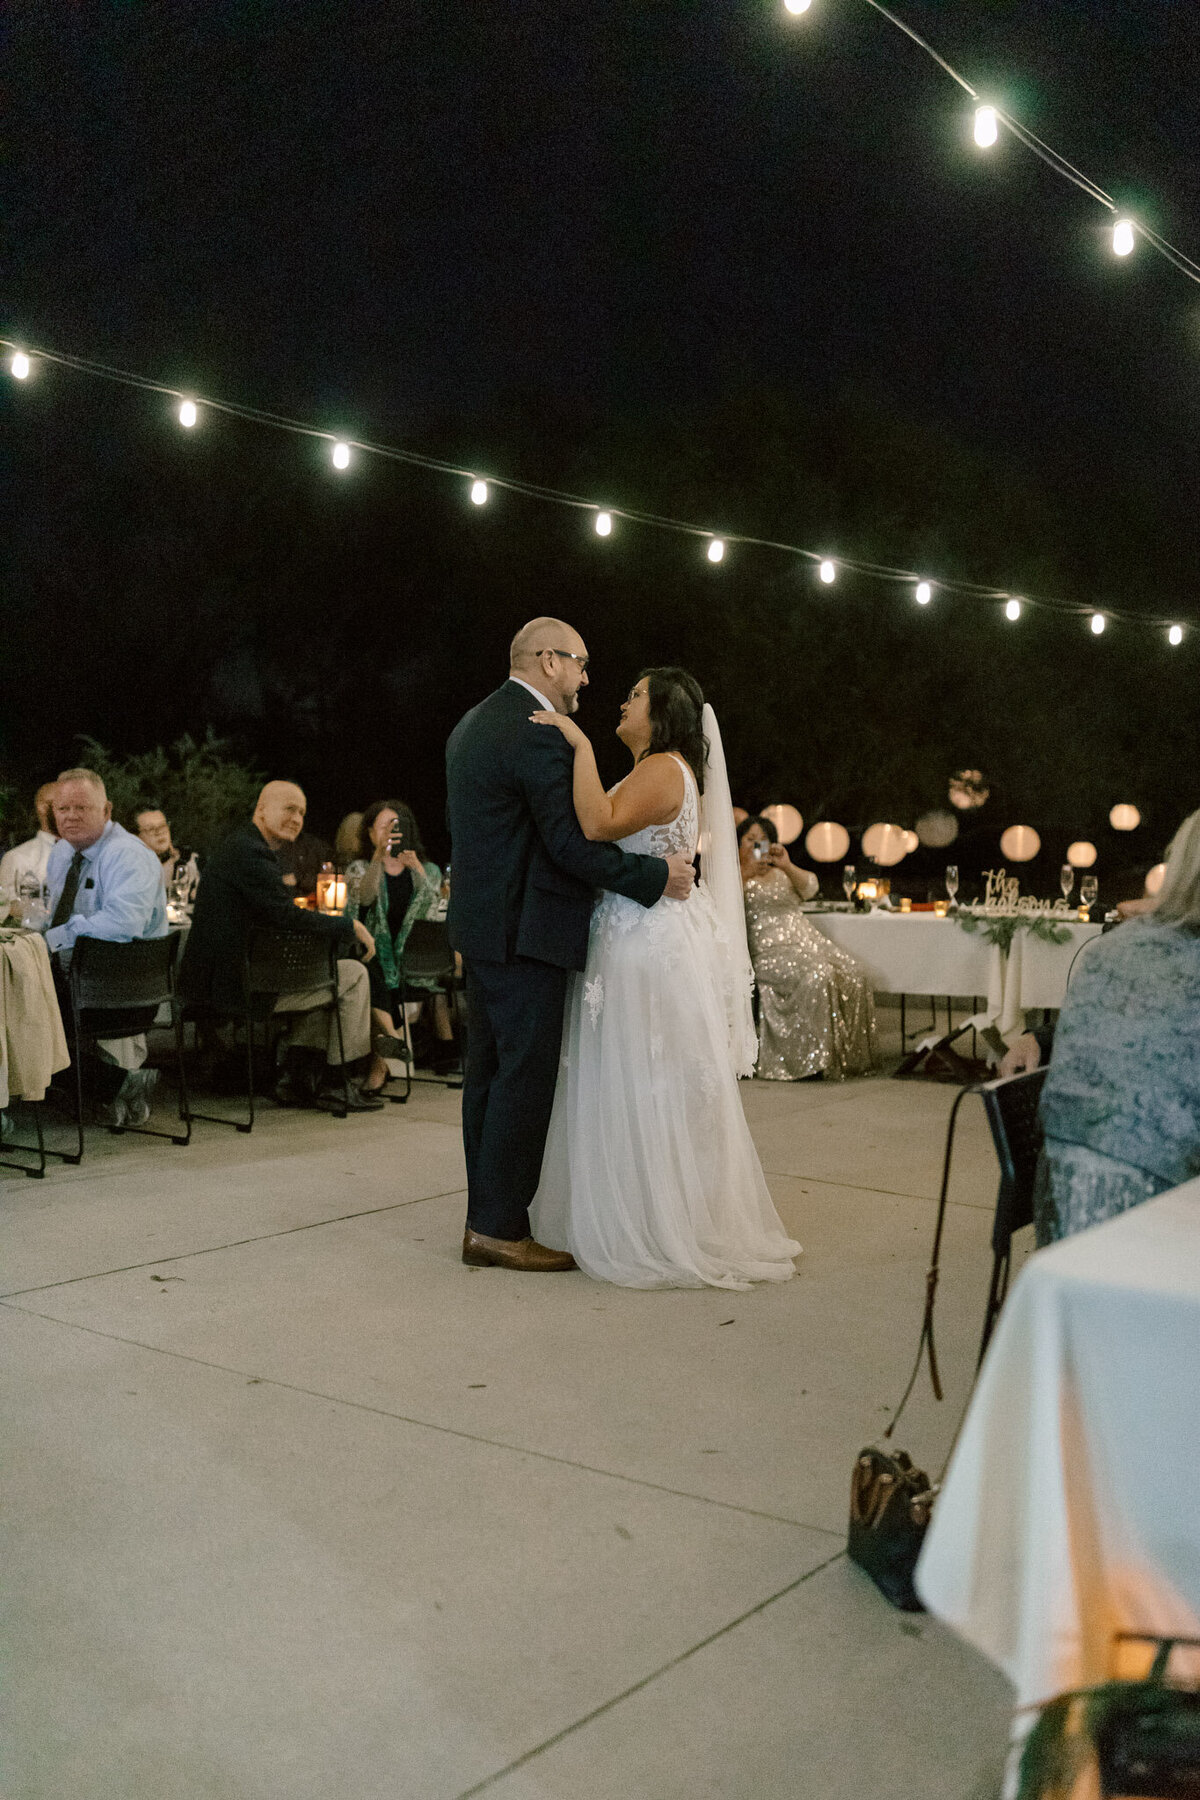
(300, 1508)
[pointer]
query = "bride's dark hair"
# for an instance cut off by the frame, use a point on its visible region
(676, 703)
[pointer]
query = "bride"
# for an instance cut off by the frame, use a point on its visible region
(650, 1177)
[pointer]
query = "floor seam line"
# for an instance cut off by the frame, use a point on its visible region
(892, 1193)
(598, 1712)
(384, 1412)
(265, 1237)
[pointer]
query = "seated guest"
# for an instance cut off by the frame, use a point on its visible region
(23, 868)
(103, 883)
(243, 887)
(394, 883)
(1121, 1104)
(302, 860)
(816, 1011)
(150, 823)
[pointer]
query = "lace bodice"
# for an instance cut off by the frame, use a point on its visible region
(682, 833)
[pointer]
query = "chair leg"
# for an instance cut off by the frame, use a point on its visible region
(38, 1150)
(337, 1019)
(995, 1299)
(242, 1125)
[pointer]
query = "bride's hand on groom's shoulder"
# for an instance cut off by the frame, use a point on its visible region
(568, 727)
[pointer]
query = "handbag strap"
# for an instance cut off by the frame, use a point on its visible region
(931, 1275)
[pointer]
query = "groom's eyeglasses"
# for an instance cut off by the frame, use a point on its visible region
(571, 657)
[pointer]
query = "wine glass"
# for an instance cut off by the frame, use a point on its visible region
(1066, 880)
(952, 879)
(1089, 889)
(849, 874)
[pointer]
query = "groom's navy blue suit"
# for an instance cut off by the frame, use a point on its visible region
(520, 905)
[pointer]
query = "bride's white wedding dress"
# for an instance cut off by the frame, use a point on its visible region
(650, 1177)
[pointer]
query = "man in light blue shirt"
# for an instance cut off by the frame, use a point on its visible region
(103, 882)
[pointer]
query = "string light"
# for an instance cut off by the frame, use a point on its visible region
(987, 128)
(1098, 624)
(187, 413)
(1122, 237)
(602, 519)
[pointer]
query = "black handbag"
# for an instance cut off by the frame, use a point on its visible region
(890, 1505)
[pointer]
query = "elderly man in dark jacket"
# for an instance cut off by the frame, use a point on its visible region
(243, 887)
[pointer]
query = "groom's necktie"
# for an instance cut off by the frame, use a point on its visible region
(66, 899)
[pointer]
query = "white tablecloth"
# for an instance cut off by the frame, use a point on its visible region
(1071, 1510)
(918, 953)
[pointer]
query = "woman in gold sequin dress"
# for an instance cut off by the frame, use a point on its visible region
(816, 1012)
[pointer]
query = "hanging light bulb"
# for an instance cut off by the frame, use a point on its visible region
(1013, 610)
(603, 524)
(987, 127)
(479, 493)
(1098, 623)
(716, 550)
(1175, 635)
(924, 593)
(20, 365)
(797, 7)
(828, 571)
(187, 413)
(341, 456)
(1122, 237)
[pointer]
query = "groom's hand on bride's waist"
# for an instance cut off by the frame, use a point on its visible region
(681, 877)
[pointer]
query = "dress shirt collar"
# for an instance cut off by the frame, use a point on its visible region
(547, 705)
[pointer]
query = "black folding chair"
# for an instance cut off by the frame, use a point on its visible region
(427, 954)
(38, 1149)
(278, 962)
(1011, 1106)
(116, 991)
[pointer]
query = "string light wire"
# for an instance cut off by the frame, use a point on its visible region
(968, 590)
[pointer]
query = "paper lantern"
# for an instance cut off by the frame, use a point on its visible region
(827, 842)
(885, 844)
(911, 842)
(1154, 879)
(1081, 855)
(786, 820)
(968, 789)
(739, 814)
(937, 829)
(1124, 818)
(1020, 843)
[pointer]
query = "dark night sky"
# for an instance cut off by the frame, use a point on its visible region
(370, 212)
(416, 222)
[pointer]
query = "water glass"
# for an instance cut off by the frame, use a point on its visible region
(952, 879)
(1089, 889)
(849, 875)
(1066, 880)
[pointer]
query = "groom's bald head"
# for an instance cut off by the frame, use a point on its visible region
(551, 656)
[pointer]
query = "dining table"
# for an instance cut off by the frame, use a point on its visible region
(928, 953)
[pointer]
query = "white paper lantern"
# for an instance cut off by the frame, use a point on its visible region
(1124, 818)
(739, 813)
(1020, 843)
(787, 821)
(911, 842)
(1081, 855)
(937, 829)
(827, 842)
(1154, 879)
(885, 844)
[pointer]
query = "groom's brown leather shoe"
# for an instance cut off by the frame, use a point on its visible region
(504, 1253)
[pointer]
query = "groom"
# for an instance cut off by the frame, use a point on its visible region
(520, 905)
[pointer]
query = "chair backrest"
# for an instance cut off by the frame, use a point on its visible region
(290, 962)
(427, 950)
(108, 977)
(1012, 1112)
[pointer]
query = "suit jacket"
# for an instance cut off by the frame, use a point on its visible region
(524, 874)
(242, 887)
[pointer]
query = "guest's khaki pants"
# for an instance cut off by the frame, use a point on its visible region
(316, 1029)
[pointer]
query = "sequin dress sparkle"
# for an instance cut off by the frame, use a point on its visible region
(650, 1176)
(816, 1011)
